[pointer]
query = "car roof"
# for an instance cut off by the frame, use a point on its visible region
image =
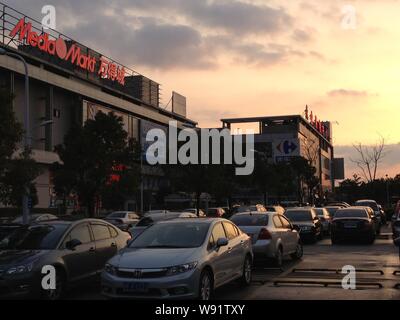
(353, 207)
(253, 213)
(366, 200)
(193, 220)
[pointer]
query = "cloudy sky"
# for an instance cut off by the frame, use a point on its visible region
(257, 57)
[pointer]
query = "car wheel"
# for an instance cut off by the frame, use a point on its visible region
(298, 254)
(247, 272)
(278, 260)
(59, 291)
(205, 286)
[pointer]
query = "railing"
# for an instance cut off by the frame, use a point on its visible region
(10, 17)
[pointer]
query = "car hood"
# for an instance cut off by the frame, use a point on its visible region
(153, 258)
(14, 257)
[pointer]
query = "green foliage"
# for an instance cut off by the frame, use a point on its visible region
(17, 172)
(90, 156)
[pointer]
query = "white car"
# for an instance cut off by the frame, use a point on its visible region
(123, 217)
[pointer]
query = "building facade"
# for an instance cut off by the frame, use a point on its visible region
(70, 83)
(284, 137)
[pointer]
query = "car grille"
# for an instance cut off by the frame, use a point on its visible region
(141, 273)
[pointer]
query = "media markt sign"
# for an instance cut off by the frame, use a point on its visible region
(73, 54)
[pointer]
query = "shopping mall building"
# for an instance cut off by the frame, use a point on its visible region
(69, 83)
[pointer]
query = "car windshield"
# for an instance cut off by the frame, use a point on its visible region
(250, 220)
(320, 211)
(117, 215)
(372, 205)
(43, 237)
(172, 235)
(298, 215)
(351, 214)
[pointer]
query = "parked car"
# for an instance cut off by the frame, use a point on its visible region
(355, 223)
(325, 218)
(148, 221)
(7, 229)
(215, 212)
(383, 214)
(332, 210)
(396, 228)
(277, 209)
(78, 250)
(273, 236)
(396, 213)
(151, 212)
(307, 221)
(34, 218)
(338, 204)
(374, 206)
(194, 211)
(180, 259)
(123, 219)
(251, 208)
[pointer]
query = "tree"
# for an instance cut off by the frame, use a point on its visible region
(17, 170)
(305, 175)
(97, 159)
(369, 158)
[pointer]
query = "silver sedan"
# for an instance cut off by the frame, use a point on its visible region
(180, 259)
(273, 236)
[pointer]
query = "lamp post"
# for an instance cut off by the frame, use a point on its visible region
(27, 138)
(387, 191)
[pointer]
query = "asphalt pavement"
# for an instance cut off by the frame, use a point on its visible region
(316, 277)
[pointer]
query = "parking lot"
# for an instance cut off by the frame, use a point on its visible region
(375, 265)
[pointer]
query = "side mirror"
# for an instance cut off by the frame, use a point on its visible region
(72, 244)
(397, 242)
(222, 242)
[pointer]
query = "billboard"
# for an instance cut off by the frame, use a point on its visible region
(338, 168)
(178, 104)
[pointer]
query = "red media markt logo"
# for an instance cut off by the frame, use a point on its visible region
(53, 47)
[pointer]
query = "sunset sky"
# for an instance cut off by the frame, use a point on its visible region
(256, 58)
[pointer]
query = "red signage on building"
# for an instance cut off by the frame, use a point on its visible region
(73, 54)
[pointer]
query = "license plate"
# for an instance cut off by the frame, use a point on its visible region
(139, 287)
(350, 225)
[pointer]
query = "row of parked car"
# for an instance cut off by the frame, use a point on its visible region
(174, 255)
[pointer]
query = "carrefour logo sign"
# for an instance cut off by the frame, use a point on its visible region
(287, 147)
(73, 54)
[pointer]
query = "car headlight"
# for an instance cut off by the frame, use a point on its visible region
(24, 268)
(109, 268)
(181, 268)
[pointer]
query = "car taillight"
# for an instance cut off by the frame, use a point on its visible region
(264, 234)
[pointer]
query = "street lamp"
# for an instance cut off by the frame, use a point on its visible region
(27, 138)
(387, 191)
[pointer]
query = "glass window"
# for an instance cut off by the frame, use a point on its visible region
(285, 223)
(81, 233)
(43, 237)
(172, 235)
(113, 232)
(250, 219)
(218, 232)
(211, 243)
(299, 215)
(100, 232)
(277, 222)
(351, 213)
(230, 230)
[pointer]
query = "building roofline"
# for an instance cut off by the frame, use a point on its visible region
(287, 117)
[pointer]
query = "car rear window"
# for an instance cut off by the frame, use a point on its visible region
(299, 215)
(372, 205)
(250, 220)
(351, 214)
(145, 222)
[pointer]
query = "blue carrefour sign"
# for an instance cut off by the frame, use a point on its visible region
(287, 147)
